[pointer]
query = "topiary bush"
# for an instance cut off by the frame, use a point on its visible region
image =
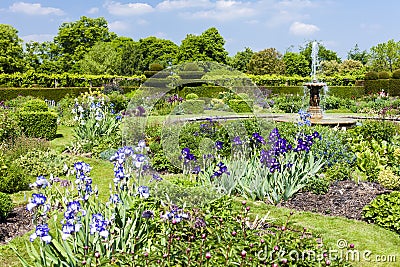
(192, 96)
(371, 75)
(6, 205)
(384, 211)
(396, 74)
(34, 105)
(40, 124)
(383, 75)
(241, 106)
(192, 106)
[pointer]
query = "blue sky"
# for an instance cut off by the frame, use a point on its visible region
(282, 24)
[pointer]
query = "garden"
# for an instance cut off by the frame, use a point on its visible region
(169, 174)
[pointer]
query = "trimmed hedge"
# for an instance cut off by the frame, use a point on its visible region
(338, 91)
(55, 94)
(391, 86)
(30, 79)
(241, 106)
(194, 106)
(41, 124)
(205, 91)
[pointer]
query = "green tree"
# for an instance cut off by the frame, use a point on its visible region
(267, 61)
(240, 60)
(209, 46)
(385, 56)
(351, 67)
(128, 50)
(154, 50)
(42, 57)
(74, 39)
(356, 54)
(102, 58)
(11, 51)
(324, 54)
(329, 67)
(296, 64)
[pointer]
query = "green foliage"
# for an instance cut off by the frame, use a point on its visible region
(330, 67)
(340, 171)
(39, 162)
(206, 91)
(383, 75)
(41, 124)
(34, 105)
(385, 56)
(388, 179)
(9, 127)
(289, 103)
(371, 75)
(241, 106)
(358, 55)
(6, 205)
(396, 74)
(384, 211)
(154, 68)
(11, 51)
(319, 184)
(375, 129)
(324, 54)
(191, 96)
(241, 59)
(12, 177)
(75, 39)
(391, 86)
(296, 64)
(267, 61)
(102, 58)
(118, 102)
(193, 106)
(351, 67)
(209, 46)
(111, 88)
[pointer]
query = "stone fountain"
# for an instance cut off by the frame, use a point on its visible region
(314, 87)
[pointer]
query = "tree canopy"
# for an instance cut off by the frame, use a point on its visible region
(386, 56)
(267, 61)
(209, 46)
(11, 51)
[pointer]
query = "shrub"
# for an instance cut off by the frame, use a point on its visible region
(384, 211)
(9, 127)
(34, 105)
(39, 162)
(388, 179)
(192, 96)
(111, 88)
(118, 102)
(6, 205)
(192, 106)
(289, 103)
(13, 178)
(241, 106)
(41, 124)
(372, 75)
(396, 74)
(191, 66)
(375, 129)
(154, 68)
(318, 184)
(383, 75)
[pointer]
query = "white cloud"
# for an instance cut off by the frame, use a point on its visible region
(168, 5)
(299, 28)
(93, 10)
(34, 9)
(116, 8)
(38, 37)
(226, 10)
(295, 4)
(118, 26)
(142, 22)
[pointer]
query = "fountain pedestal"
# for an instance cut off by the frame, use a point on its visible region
(314, 108)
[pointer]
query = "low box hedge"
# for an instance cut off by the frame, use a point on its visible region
(195, 106)
(241, 106)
